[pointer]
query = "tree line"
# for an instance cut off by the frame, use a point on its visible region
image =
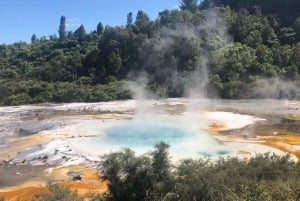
(243, 46)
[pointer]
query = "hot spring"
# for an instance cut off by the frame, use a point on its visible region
(185, 135)
(108, 127)
(63, 136)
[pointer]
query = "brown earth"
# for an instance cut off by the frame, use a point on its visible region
(90, 183)
(23, 193)
(284, 142)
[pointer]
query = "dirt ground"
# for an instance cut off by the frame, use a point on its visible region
(29, 181)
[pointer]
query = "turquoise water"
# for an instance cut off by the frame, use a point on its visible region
(186, 138)
(137, 134)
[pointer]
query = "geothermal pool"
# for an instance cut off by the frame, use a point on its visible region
(39, 143)
(81, 132)
(186, 137)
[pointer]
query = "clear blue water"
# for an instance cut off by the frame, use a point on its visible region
(135, 134)
(185, 139)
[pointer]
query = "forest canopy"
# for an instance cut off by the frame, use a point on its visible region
(234, 48)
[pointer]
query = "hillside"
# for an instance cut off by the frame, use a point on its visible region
(217, 48)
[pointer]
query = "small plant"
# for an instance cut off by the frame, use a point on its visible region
(58, 193)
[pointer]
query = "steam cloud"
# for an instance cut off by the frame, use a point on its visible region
(164, 65)
(274, 88)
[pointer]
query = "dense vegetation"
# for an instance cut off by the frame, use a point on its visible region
(234, 48)
(151, 177)
(265, 177)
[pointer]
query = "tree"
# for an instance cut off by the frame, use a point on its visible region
(297, 27)
(129, 176)
(129, 19)
(192, 180)
(80, 33)
(33, 39)
(161, 168)
(53, 37)
(137, 178)
(141, 19)
(164, 17)
(161, 163)
(287, 35)
(205, 4)
(239, 43)
(62, 27)
(100, 28)
(143, 23)
(191, 5)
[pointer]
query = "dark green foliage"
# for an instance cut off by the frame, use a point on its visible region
(80, 33)
(161, 165)
(129, 20)
(239, 43)
(288, 7)
(62, 27)
(161, 171)
(264, 177)
(33, 39)
(256, 179)
(24, 92)
(129, 176)
(137, 178)
(100, 28)
(143, 24)
(150, 177)
(192, 181)
(190, 5)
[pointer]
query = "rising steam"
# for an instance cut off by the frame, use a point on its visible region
(166, 66)
(275, 88)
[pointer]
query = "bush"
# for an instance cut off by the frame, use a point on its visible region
(264, 177)
(57, 192)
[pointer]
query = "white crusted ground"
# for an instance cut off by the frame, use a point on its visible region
(65, 147)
